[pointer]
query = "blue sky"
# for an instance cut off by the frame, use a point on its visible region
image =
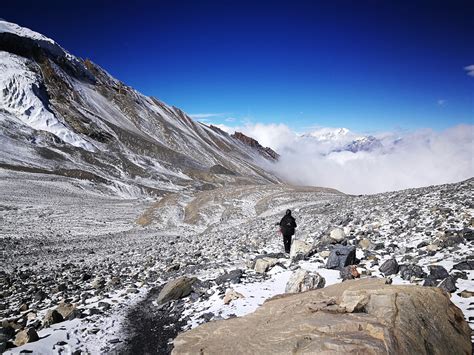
(365, 65)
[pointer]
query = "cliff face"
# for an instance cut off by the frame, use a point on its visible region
(253, 143)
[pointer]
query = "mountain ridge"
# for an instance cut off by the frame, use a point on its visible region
(59, 111)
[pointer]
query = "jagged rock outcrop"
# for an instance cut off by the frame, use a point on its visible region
(358, 316)
(267, 152)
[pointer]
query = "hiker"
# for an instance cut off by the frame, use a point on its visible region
(287, 229)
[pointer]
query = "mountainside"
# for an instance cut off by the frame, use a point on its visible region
(63, 115)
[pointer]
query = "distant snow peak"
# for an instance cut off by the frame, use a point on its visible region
(324, 134)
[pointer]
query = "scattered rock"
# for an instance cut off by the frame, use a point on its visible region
(39, 296)
(349, 272)
(6, 333)
(232, 277)
(337, 235)
(341, 256)
(51, 317)
(232, 295)
(98, 283)
(389, 267)
(173, 267)
(299, 247)
(410, 271)
(324, 253)
(464, 265)
(105, 306)
(264, 264)
(432, 247)
(466, 294)
(448, 284)
(468, 234)
(365, 244)
(176, 289)
(438, 272)
(302, 280)
(66, 309)
(28, 335)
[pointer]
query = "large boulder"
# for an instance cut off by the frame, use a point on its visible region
(176, 289)
(357, 316)
(303, 280)
(264, 264)
(51, 317)
(407, 272)
(389, 267)
(438, 272)
(299, 247)
(341, 256)
(28, 335)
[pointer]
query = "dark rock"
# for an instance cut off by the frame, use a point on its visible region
(389, 267)
(104, 305)
(410, 270)
(201, 287)
(448, 284)
(94, 311)
(438, 272)
(349, 272)
(468, 234)
(451, 239)
(232, 277)
(430, 282)
(6, 333)
(464, 265)
(341, 256)
(459, 275)
(422, 244)
(207, 316)
(39, 296)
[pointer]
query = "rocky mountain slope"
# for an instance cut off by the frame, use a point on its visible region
(86, 256)
(63, 115)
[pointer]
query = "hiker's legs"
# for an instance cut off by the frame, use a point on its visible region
(287, 243)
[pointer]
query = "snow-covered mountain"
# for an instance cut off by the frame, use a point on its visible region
(342, 139)
(60, 114)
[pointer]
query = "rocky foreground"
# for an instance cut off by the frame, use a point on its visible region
(83, 272)
(354, 317)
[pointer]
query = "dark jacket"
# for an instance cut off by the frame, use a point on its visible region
(287, 225)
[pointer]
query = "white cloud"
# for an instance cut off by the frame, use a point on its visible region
(205, 115)
(441, 102)
(470, 70)
(405, 159)
(415, 159)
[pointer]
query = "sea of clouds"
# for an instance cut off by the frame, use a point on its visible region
(403, 160)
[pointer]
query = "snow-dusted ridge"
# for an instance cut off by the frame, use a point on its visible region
(20, 96)
(125, 139)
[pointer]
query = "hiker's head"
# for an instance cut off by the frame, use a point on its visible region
(288, 212)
